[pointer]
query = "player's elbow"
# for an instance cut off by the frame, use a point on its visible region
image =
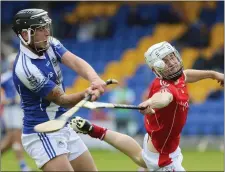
(167, 99)
(63, 101)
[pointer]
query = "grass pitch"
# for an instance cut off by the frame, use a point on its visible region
(116, 161)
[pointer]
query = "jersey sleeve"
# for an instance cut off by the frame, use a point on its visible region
(58, 48)
(33, 79)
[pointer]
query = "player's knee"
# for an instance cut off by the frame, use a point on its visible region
(16, 146)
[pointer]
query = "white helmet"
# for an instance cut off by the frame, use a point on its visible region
(154, 56)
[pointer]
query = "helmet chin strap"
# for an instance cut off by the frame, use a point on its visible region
(172, 77)
(175, 76)
(29, 36)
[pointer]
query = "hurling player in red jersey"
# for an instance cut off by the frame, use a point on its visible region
(165, 112)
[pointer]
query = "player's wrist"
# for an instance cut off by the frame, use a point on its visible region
(213, 74)
(97, 132)
(94, 78)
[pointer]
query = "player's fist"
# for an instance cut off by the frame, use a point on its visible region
(98, 84)
(95, 94)
(147, 106)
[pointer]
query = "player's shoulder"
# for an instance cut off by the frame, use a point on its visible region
(24, 67)
(54, 42)
(161, 83)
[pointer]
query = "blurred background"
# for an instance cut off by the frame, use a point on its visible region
(112, 37)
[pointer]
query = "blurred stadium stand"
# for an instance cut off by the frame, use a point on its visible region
(120, 53)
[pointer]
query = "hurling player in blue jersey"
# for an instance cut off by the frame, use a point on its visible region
(13, 117)
(38, 79)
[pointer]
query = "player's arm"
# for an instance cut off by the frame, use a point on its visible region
(80, 66)
(159, 100)
(59, 97)
(192, 75)
(43, 87)
(85, 70)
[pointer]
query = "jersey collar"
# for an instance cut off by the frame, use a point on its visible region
(29, 53)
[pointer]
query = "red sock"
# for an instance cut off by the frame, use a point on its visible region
(98, 132)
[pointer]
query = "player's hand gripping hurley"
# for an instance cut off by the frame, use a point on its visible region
(57, 124)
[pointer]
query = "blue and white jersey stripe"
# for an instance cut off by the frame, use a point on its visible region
(34, 78)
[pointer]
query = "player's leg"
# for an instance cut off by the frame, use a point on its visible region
(49, 151)
(6, 142)
(18, 149)
(84, 162)
(58, 163)
(13, 118)
(80, 158)
(122, 142)
(125, 144)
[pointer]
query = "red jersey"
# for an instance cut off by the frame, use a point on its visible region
(165, 126)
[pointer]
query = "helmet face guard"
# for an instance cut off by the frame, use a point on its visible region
(155, 58)
(173, 70)
(33, 21)
(41, 45)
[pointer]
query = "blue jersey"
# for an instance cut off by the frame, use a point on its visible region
(8, 85)
(34, 78)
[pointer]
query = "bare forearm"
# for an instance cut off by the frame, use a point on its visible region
(58, 96)
(160, 99)
(197, 75)
(125, 144)
(70, 100)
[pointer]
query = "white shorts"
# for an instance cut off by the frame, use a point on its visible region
(13, 117)
(42, 147)
(152, 159)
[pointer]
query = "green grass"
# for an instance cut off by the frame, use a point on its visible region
(116, 161)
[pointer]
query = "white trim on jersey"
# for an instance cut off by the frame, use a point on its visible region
(29, 53)
(56, 66)
(29, 74)
(164, 83)
(40, 104)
